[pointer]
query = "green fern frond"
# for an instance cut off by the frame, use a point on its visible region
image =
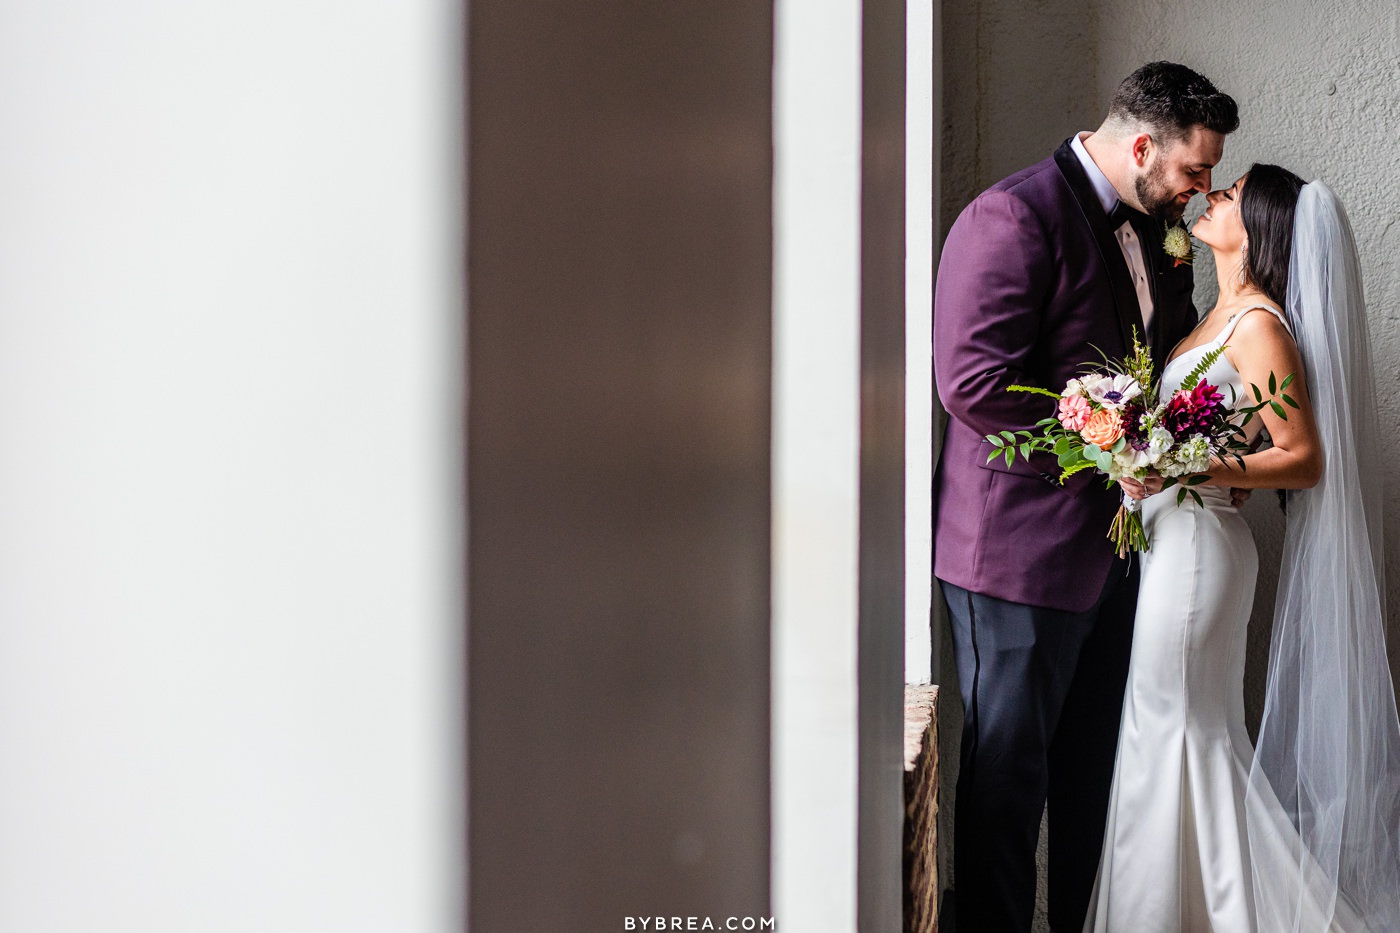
(1075, 468)
(1037, 390)
(1201, 369)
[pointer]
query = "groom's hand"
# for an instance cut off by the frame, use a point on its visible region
(1238, 497)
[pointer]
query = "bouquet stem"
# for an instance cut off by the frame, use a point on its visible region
(1126, 532)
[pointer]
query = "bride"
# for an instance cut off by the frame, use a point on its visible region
(1206, 833)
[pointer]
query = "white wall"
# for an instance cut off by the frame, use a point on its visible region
(1317, 95)
(229, 344)
(1316, 87)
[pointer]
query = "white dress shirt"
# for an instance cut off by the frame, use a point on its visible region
(1126, 236)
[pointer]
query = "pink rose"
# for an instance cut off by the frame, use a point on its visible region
(1074, 412)
(1103, 428)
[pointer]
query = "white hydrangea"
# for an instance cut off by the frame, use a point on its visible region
(1169, 467)
(1159, 441)
(1193, 456)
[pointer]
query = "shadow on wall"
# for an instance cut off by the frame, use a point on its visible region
(1018, 79)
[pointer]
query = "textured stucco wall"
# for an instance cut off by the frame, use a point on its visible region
(1018, 78)
(1319, 92)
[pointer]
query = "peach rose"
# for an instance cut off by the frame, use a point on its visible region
(1103, 428)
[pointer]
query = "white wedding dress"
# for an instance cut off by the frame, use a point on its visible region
(1176, 855)
(1300, 834)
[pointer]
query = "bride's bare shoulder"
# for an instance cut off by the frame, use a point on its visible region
(1260, 334)
(1263, 321)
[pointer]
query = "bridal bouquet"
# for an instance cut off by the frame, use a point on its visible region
(1111, 420)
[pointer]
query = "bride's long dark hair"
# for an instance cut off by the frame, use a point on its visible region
(1267, 205)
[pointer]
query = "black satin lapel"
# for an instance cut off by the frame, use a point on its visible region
(1120, 279)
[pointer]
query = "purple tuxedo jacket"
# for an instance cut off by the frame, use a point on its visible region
(1030, 283)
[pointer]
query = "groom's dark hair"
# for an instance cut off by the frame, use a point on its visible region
(1170, 99)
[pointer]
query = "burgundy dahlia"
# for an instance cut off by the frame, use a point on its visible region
(1132, 425)
(1193, 412)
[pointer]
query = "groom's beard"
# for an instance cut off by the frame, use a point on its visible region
(1156, 198)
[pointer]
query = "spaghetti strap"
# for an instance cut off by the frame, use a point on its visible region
(1229, 327)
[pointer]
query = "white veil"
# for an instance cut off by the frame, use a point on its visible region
(1323, 801)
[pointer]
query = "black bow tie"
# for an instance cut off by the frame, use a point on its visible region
(1122, 213)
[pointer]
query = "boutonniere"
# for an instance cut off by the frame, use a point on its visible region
(1176, 243)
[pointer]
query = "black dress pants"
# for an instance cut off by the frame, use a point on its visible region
(1042, 695)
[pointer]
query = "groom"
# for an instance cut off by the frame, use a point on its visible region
(1039, 273)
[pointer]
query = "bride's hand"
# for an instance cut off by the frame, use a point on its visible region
(1149, 485)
